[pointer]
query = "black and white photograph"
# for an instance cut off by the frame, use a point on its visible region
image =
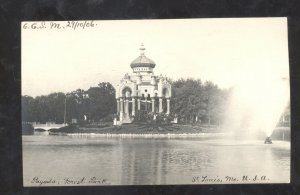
(155, 102)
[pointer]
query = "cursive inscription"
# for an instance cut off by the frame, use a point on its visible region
(85, 24)
(44, 181)
(69, 181)
(230, 179)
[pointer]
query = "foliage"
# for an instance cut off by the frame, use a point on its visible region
(142, 116)
(95, 104)
(101, 101)
(163, 118)
(108, 118)
(43, 108)
(67, 129)
(194, 101)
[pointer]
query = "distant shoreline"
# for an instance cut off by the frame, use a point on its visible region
(144, 130)
(141, 128)
(143, 135)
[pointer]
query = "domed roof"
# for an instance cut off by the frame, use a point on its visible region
(142, 60)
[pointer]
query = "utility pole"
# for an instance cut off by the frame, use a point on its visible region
(65, 113)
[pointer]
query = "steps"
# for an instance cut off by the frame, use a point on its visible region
(126, 119)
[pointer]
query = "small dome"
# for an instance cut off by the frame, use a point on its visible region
(142, 60)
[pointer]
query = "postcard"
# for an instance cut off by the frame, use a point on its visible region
(155, 102)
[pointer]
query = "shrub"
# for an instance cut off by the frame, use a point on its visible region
(108, 118)
(67, 129)
(142, 116)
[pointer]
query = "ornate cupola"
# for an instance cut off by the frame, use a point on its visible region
(142, 90)
(142, 63)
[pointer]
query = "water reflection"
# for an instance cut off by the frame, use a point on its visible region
(152, 161)
(143, 162)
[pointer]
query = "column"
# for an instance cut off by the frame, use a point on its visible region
(121, 109)
(139, 104)
(160, 105)
(126, 106)
(133, 107)
(121, 105)
(146, 104)
(153, 104)
(168, 106)
(118, 105)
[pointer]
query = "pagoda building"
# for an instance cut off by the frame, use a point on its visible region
(142, 90)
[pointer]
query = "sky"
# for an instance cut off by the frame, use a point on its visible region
(227, 52)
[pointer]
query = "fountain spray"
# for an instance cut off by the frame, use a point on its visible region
(268, 141)
(256, 106)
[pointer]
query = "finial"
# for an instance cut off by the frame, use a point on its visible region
(142, 49)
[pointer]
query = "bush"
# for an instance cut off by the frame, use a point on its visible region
(162, 118)
(142, 116)
(108, 118)
(67, 129)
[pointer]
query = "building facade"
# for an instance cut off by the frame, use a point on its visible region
(142, 90)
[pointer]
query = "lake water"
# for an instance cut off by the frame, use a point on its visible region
(65, 160)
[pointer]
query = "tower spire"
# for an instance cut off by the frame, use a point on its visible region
(142, 49)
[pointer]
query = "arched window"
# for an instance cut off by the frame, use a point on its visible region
(165, 92)
(126, 92)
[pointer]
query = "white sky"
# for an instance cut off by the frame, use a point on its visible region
(225, 51)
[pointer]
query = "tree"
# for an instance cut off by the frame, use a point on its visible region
(193, 100)
(28, 109)
(101, 101)
(186, 100)
(97, 103)
(77, 104)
